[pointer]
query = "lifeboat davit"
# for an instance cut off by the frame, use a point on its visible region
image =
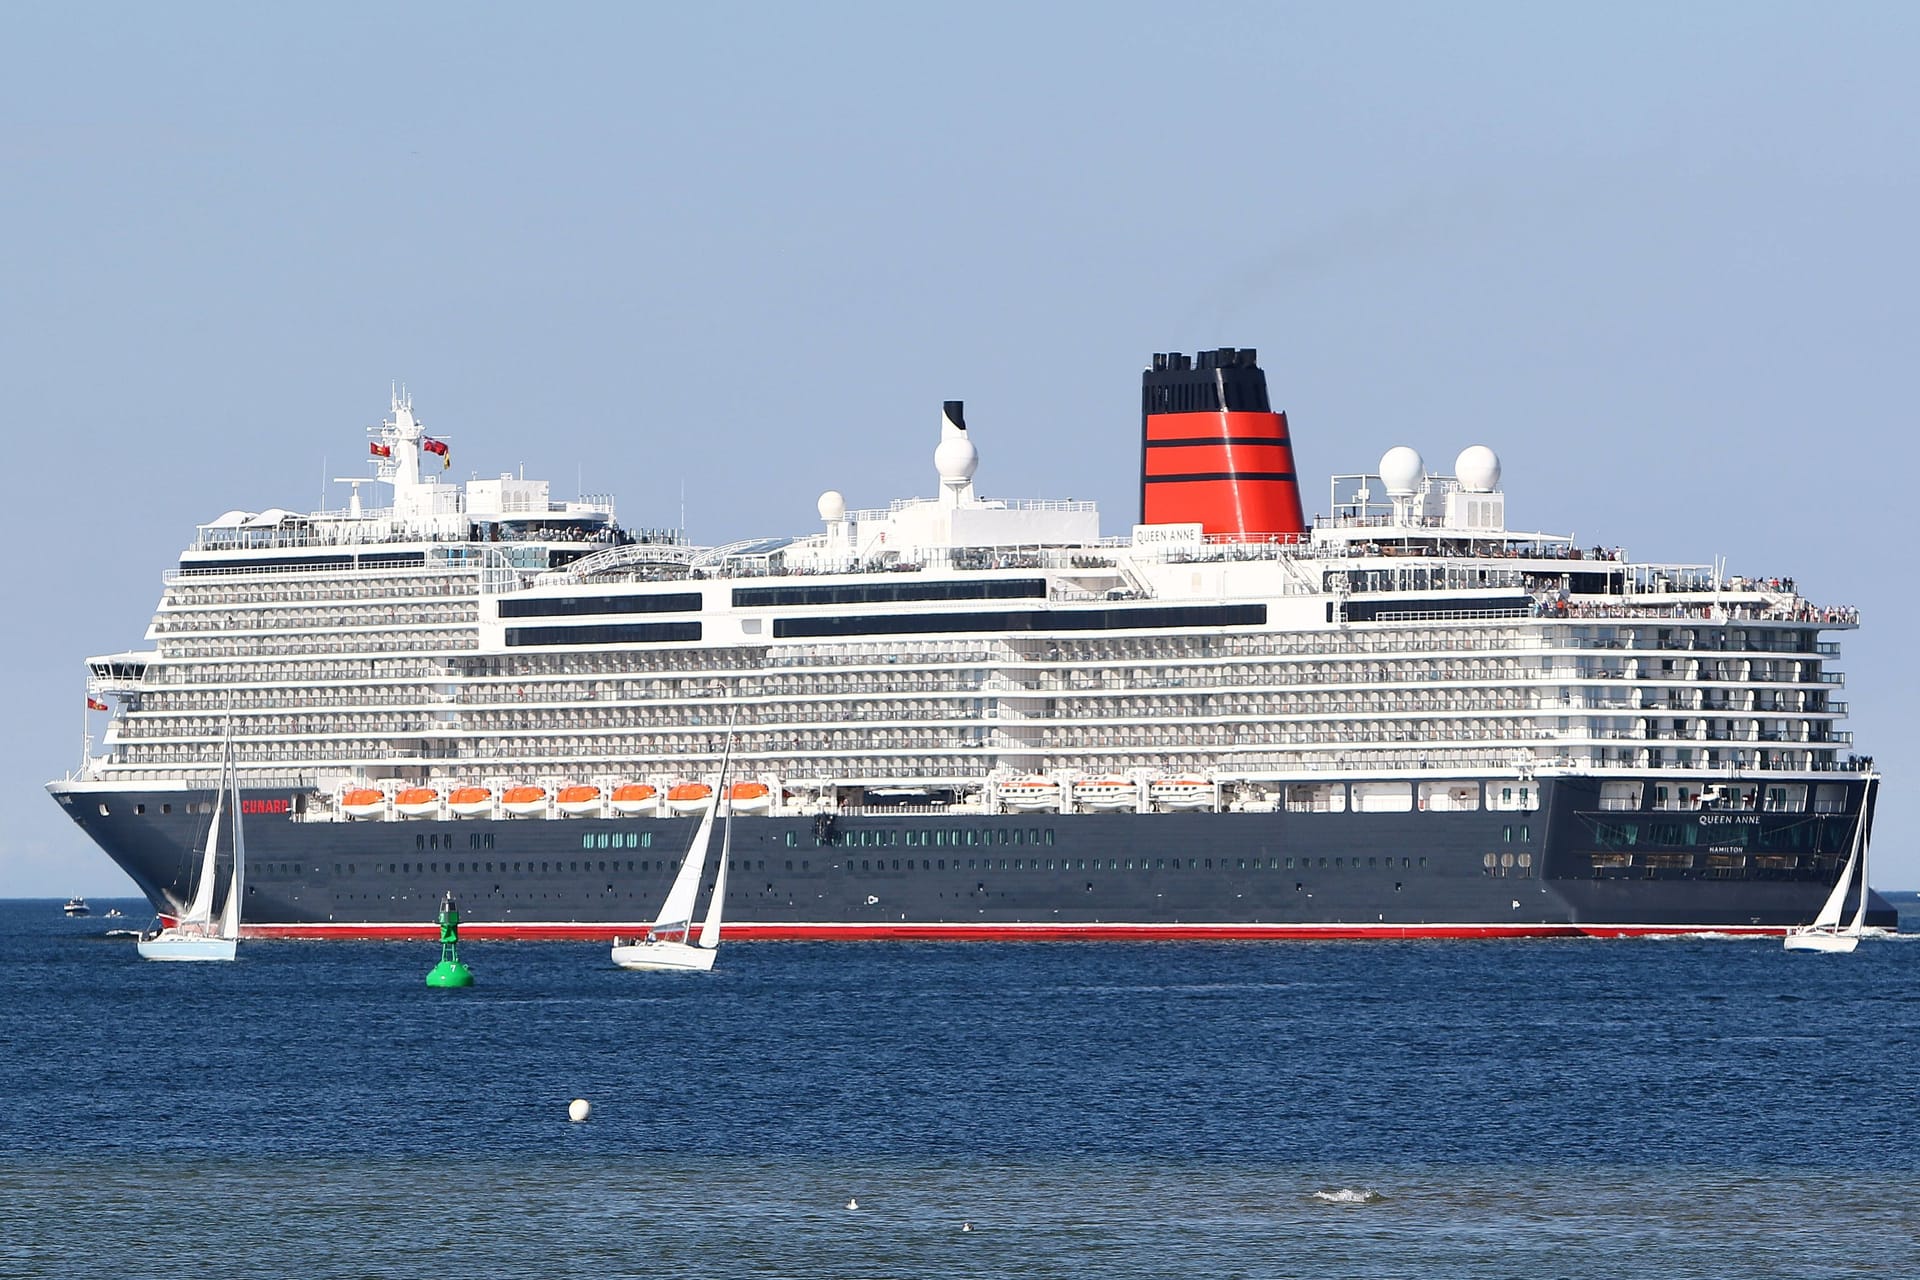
(470, 802)
(1182, 793)
(1106, 793)
(689, 797)
(1030, 793)
(363, 802)
(416, 802)
(635, 797)
(578, 801)
(749, 797)
(524, 802)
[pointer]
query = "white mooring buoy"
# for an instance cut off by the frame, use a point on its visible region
(578, 1110)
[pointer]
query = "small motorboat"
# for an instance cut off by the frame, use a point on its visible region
(77, 907)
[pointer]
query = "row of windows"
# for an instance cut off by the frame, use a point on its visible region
(558, 606)
(1043, 620)
(609, 633)
(1375, 862)
(362, 560)
(891, 592)
(923, 838)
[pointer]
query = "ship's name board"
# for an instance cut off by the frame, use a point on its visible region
(1183, 536)
(280, 804)
(1729, 819)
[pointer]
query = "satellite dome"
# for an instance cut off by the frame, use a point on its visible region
(832, 506)
(1478, 469)
(955, 460)
(1401, 470)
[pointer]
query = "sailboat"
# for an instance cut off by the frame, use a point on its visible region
(195, 935)
(1826, 933)
(669, 945)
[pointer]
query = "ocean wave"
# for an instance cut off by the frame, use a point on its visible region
(1349, 1195)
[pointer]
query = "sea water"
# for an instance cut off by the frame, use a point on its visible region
(1567, 1108)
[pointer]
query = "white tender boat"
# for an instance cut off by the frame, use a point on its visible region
(1030, 794)
(1106, 793)
(1827, 933)
(1182, 793)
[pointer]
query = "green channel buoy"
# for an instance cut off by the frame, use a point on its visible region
(450, 972)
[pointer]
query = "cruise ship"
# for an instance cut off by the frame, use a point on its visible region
(967, 717)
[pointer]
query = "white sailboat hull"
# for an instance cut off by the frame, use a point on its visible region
(168, 945)
(1836, 943)
(665, 957)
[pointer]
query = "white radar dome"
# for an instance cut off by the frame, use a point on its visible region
(1478, 469)
(1401, 471)
(956, 460)
(832, 506)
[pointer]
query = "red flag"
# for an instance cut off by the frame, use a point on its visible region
(434, 446)
(94, 704)
(380, 450)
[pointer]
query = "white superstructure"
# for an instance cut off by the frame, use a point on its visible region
(959, 651)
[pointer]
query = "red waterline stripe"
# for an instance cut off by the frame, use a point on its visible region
(575, 932)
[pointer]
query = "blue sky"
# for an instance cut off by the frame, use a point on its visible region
(1661, 258)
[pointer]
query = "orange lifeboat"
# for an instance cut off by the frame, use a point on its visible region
(635, 797)
(416, 802)
(524, 802)
(749, 797)
(689, 797)
(470, 802)
(578, 801)
(363, 802)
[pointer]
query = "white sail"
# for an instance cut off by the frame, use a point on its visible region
(236, 886)
(1829, 917)
(200, 910)
(710, 930)
(677, 911)
(1826, 932)
(193, 936)
(1858, 924)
